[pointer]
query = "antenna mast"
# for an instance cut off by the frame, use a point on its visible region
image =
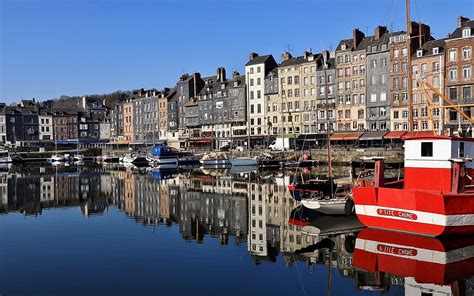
(409, 74)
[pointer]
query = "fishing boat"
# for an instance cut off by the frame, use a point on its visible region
(435, 198)
(421, 260)
(163, 157)
(5, 156)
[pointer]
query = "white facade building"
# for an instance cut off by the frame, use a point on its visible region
(45, 127)
(256, 70)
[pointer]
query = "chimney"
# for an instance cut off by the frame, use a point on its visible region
(379, 32)
(325, 55)
(462, 20)
(196, 78)
(221, 74)
(253, 55)
(286, 56)
(357, 37)
(235, 75)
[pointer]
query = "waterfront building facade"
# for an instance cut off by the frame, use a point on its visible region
(128, 121)
(256, 70)
(459, 63)
(378, 90)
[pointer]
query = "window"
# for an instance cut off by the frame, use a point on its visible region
(453, 74)
(258, 69)
(373, 63)
(395, 83)
(461, 149)
(453, 93)
(466, 53)
(426, 149)
(419, 53)
(452, 55)
(383, 97)
(424, 68)
(396, 53)
(373, 98)
(258, 82)
(383, 79)
(306, 80)
(383, 111)
(466, 92)
(383, 62)
(404, 51)
(372, 80)
(251, 70)
(395, 114)
(251, 82)
(435, 50)
(466, 32)
(466, 72)
(297, 79)
(435, 66)
(395, 67)
(289, 80)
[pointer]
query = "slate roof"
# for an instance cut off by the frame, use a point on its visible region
(258, 60)
(349, 43)
(429, 45)
(331, 64)
(458, 32)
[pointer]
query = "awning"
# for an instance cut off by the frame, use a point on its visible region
(394, 135)
(137, 143)
(312, 137)
(418, 134)
(204, 140)
(346, 136)
(373, 135)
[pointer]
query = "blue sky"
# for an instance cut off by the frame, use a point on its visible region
(51, 48)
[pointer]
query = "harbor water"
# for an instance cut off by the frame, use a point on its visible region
(96, 230)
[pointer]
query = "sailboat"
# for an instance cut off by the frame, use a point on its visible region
(56, 157)
(328, 196)
(78, 157)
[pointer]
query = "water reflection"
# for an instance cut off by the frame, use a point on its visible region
(249, 209)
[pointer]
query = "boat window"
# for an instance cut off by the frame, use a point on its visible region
(427, 149)
(461, 149)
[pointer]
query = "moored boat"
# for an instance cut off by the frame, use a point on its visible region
(5, 156)
(420, 259)
(243, 161)
(435, 198)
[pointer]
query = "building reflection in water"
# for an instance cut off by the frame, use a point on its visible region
(246, 207)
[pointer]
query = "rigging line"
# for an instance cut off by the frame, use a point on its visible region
(300, 212)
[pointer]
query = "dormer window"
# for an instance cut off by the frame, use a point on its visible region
(435, 50)
(419, 53)
(466, 32)
(343, 47)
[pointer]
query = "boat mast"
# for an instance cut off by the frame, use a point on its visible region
(409, 74)
(325, 66)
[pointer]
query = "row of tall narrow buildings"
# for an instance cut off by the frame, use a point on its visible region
(367, 90)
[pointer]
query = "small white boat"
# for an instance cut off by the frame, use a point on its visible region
(135, 159)
(5, 156)
(56, 158)
(243, 161)
(333, 206)
(78, 157)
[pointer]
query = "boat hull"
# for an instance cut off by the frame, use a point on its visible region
(425, 259)
(243, 161)
(328, 207)
(415, 211)
(216, 162)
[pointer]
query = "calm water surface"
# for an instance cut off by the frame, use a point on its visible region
(95, 231)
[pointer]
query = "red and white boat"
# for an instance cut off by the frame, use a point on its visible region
(435, 198)
(421, 260)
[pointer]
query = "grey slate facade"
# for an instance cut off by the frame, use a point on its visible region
(116, 121)
(146, 121)
(378, 68)
(321, 97)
